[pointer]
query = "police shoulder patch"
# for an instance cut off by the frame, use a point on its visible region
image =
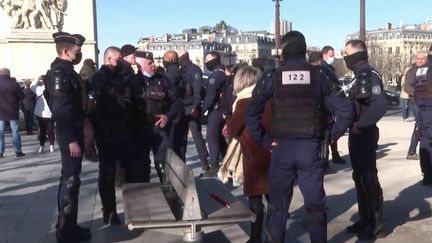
(376, 89)
(212, 81)
(197, 75)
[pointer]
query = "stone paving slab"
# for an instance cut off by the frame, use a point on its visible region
(28, 188)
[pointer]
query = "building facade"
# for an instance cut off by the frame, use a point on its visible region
(197, 48)
(248, 47)
(391, 50)
(239, 48)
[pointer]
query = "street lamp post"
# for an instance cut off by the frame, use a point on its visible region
(277, 28)
(362, 20)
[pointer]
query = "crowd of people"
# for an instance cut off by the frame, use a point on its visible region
(267, 128)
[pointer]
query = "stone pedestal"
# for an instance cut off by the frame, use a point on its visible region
(28, 52)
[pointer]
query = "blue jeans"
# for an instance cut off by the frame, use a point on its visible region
(16, 138)
(405, 108)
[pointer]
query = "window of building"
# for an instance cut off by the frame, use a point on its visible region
(397, 49)
(390, 50)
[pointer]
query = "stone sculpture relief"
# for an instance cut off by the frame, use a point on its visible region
(35, 14)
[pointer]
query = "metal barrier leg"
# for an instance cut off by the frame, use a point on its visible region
(194, 235)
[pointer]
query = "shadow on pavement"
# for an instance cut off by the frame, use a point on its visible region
(411, 200)
(383, 149)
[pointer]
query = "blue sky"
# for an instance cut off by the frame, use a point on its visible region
(322, 22)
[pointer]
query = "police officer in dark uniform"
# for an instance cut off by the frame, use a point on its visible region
(178, 127)
(300, 94)
(370, 105)
(149, 103)
(110, 118)
(215, 122)
(423, 98)
(65, 100)
(129, 58)
(192, 77)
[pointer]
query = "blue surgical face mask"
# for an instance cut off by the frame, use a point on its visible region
(330, 61)
(147, 74)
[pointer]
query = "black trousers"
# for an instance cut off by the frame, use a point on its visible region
(46, 128)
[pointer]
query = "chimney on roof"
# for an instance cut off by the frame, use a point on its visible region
(389, 26)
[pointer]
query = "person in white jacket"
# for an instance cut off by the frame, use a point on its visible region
(43, 115)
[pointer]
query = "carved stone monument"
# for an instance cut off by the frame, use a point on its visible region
(26, 27)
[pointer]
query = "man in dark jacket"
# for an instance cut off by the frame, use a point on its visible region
(370, 106)
(300, 94)
(64, 87)
(178, 129)
(216, 142)
(192, 76)
(28, 106)
(11, 96)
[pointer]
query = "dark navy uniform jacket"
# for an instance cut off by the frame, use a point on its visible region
(426, 101)
(109, 90)
(192, 75)
(67, 107)
(216, 82)
(370, 111)
(173, 82)
(145, 92)
(264, 90)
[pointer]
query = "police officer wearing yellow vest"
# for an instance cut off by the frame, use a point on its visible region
(300, 94)
(65, 100)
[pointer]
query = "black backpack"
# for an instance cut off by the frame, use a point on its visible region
(46, 93)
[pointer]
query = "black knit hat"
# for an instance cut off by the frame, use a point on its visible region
(127, 49)
(294, 44)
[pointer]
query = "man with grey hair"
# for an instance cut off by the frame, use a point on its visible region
(408, 83)
(423, 99)
(11, 96)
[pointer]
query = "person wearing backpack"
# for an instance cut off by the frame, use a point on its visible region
(43, 115)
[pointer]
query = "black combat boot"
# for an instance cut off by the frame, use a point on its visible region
(257, 207)
(425, 168)
(67, 228)
(160, 170)
(360, 225)
(111, 217)
(106, 183)
(374, 207)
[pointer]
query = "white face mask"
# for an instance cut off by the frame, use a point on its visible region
(330, 61)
